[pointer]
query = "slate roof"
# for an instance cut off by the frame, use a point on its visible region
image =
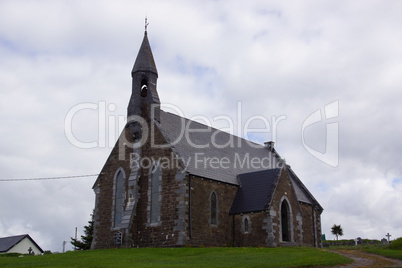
(199, 145)
(6, 243)
(255, 192)
(302, 193)
(196, 149)
(145, 59)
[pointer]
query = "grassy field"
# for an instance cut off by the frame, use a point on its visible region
(393, 250)
(182, 257)
(390, 253)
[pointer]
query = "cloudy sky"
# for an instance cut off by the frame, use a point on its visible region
(326, 75)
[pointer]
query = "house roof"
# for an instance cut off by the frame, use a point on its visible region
(214, 154)
(6, 243)
(255, 192)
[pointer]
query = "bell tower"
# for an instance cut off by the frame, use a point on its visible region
(144, 101)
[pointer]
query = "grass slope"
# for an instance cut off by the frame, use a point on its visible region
(182, 257)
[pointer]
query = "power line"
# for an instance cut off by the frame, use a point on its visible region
(51, 178)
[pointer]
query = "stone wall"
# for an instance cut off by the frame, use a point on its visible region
(308, 228)
(103, 215)
(170, 229)
(318, 231)
(311, 226)
(285, 191)
(202, 232)
(255, 234)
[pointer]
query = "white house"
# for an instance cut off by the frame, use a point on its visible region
(23, 244)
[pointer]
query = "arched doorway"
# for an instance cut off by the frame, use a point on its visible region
(285, 220)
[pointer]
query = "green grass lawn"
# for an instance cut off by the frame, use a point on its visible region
(378, 249)
(182, 257)
(390, 253)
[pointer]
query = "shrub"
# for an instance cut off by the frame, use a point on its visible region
(396, 244)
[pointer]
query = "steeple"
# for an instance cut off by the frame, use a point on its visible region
(144, 101)
(145, 60)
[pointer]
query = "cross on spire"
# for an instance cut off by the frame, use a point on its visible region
(146, 23)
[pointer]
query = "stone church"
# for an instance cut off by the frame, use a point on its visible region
(173, 182)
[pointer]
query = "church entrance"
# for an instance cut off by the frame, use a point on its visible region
(285, 221)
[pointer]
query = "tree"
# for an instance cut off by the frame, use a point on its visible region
(86, 239)
(337, 230)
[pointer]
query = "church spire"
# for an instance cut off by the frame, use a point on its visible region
(145, 60)
(144, 99)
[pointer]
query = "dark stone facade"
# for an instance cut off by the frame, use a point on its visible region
(139, 231)
(203, 232)
(186, 212)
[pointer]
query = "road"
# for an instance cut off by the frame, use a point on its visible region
(364, 259)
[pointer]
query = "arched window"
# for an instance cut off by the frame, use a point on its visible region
(144, 87)
(214, 208)
(155, 192)
(119, 195)
(246, 227)
(285, 221)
